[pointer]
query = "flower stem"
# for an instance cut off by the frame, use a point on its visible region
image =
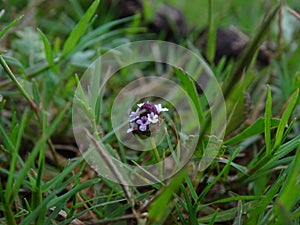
(157, 157)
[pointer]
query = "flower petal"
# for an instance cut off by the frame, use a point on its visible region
(153, 118)
(143, 128)
(160, 109)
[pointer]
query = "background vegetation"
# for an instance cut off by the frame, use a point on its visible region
(47, 45)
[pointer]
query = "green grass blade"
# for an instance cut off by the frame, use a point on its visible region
(48, 51)
(158, 208)
(212, 32)
(256, 128)
(11, 24)
(240, 168)
(291, 188)
(192, 211)
(249, 53)
(17, 83)
(191, 188)
(35, 92)
(213, 219)
(226, 215)
(66, 196)
(59, 179)
(14, 154)
(268, 118)
(47, 46)
(260, 206)
(189, 85)
(80, 29)
(239, 214)
(284, 119)
(212, 183)
(103, 29)
(232, 199)
(26, 167)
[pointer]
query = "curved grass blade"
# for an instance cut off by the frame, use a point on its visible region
(80, 29)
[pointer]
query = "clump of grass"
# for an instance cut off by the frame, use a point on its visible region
(253, 179)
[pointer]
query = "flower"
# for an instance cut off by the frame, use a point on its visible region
(147, 108)
(134, 115)
(133, 127)
(145, 115)
(160, 109)
(144, 122)
(153, 118)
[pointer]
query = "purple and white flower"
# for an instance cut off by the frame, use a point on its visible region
(143, 122)
(145, 115)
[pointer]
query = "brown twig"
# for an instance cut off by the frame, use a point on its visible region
(294, 13)
(114, 170)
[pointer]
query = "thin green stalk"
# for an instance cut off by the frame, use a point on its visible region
(157, 157)
(155, 151)
(38, 193)
(211, 45)
(16, 82)
(9, 215)
(268, 118)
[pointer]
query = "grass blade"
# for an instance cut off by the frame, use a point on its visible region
(256, 128)
(80, 29)
(249, 53)
(48, 51)
(239, 214)
(156, 214)
(268, 118)
(260, 206)
(23, 173)
(291, 188)
(284, 119)
(189, 85)
(11, 24)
